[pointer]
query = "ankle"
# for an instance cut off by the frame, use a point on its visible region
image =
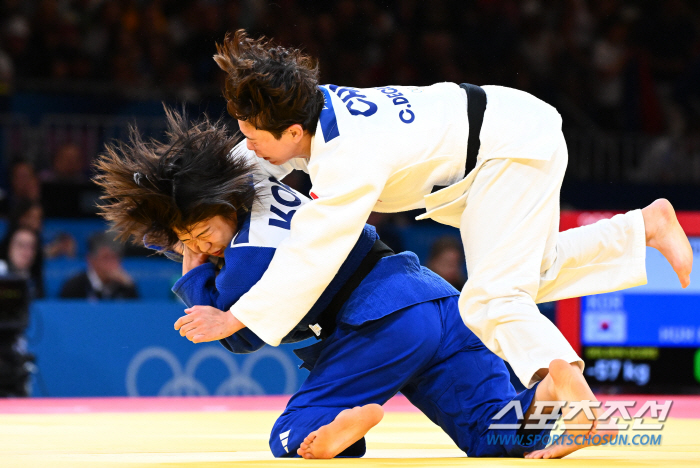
(656, 215)
(649, 218)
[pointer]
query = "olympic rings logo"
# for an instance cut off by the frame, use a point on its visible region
(184, 382)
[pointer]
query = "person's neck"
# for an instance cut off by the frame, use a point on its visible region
(22, 272)
(305, 146)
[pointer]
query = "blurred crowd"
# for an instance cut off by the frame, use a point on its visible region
(23, 248)
(613, 64)
(627, 66)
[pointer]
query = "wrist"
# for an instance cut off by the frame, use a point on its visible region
(234, 324)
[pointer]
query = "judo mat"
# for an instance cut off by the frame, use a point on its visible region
(209, 432)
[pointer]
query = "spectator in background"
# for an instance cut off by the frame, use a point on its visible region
(20, 256)
(609, 65)
(105, 277)
(447, 259)
(14, 35)
(28, 214)
(68, 166)
(7, 73)
(63, 245)
(23, 186)
(161, 47)
(610, 58)
(66, 188)
(24, 183)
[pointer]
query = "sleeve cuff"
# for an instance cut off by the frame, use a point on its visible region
(268, 335)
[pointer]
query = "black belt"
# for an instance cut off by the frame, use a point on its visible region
(327, 319)
(476, 106)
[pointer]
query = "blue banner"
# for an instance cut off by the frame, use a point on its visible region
(130, 348)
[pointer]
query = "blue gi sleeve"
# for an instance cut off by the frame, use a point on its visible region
(245, 265)
(243, 268)
(201, 286)
(198, 286)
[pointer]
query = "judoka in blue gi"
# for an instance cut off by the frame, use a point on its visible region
(384, 324)
(398, 330)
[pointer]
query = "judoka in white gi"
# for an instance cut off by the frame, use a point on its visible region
(385, 149)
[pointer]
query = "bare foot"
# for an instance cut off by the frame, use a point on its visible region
(565, 382)
(665, 234)
(347, 428)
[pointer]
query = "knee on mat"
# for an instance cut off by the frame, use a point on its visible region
(281, 444)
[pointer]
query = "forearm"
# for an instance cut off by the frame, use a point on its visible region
(298, 274)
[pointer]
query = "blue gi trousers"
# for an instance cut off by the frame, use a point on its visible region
(427, 353)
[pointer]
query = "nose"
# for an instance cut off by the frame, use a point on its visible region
(249, 145)
(204, 246)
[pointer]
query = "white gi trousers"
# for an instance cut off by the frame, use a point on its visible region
(516, 257)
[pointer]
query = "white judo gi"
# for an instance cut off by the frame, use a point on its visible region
(384, 149)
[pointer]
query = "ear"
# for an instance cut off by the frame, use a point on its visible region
(296, 132)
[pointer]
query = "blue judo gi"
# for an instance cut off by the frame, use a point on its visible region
(400, 330)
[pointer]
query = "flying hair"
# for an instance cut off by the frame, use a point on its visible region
(269, 86)
(152, 187)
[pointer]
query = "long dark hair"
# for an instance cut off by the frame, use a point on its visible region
(269, 86)
(36, 269)
(152, 187)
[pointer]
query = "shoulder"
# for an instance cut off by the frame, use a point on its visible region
(359, 119)
(269, 220)
(76, 286)
(78, 278)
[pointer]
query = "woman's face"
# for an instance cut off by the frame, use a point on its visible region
(32, 218)
(22, 250)
(210, 236)
(448, 265)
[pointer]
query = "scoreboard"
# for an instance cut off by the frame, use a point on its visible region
(644, 339)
